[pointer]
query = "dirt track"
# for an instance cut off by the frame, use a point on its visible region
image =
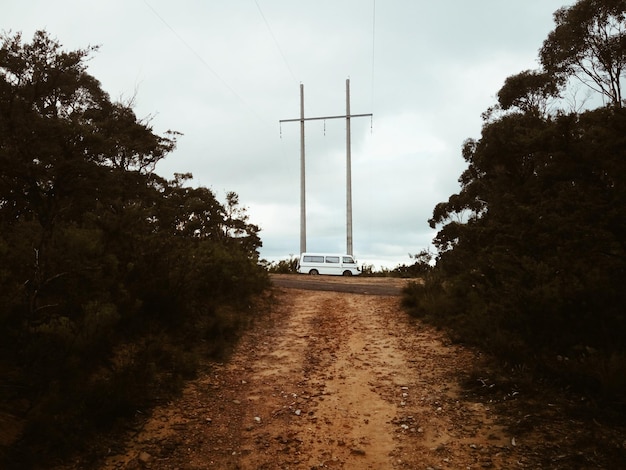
(345, 380)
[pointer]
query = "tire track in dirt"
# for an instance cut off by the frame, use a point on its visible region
(351, 382)
(325, 396)
(330, 380)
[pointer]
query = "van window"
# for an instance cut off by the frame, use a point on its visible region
(332, 259)
(348, 259)
(313, 259)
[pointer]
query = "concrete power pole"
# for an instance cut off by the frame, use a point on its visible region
(302, 176)
(302, 119)
(348, 173)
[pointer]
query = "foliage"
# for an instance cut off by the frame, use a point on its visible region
(420, 267)
(529, 91)
(110, 276)
(531, 252)
(284, 266)
(589, 43)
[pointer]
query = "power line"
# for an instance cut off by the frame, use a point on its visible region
(206, 64)
(269, 28)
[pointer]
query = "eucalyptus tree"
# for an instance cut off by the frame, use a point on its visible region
(531, 252)
(109, 274)
(67, 153)
(589, 43)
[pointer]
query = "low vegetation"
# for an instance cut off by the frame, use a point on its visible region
(418, 269)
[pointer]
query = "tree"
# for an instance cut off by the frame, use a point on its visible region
(542, 249)
(528, 91)
(589, 43)
(65, 151)
(112, 279)
(531, 253)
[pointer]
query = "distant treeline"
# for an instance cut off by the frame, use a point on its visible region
(113, 281)
(531, 255)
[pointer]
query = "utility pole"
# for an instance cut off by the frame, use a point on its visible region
(348, 173)
(302, 176)
(302, 119)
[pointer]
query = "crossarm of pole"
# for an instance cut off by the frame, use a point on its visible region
(345, 116)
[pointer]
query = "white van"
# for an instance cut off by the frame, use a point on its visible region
(319, 263)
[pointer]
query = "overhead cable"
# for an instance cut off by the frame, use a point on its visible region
(205, 63)
(269, 28)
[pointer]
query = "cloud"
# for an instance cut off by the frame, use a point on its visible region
(225, 73)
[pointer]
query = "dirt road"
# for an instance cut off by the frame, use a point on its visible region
(347, 381)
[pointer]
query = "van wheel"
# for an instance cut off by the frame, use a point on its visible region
(313, 272)
(347, 273)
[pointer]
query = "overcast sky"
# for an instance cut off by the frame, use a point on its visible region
(224, 72)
